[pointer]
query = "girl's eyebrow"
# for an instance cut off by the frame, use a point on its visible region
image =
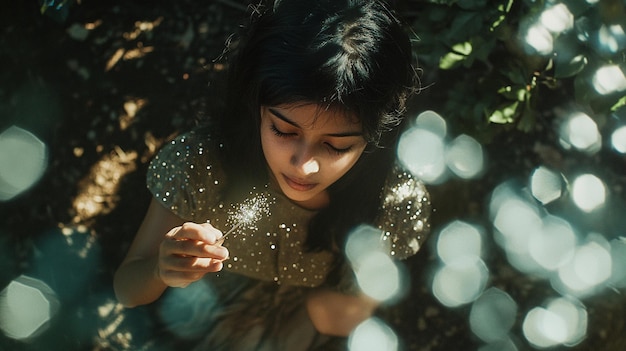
(293, 123)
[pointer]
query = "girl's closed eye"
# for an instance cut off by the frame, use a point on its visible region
(333, 149)
(337, 150)
(280, 133)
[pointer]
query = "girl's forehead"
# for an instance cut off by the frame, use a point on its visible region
(313, 115)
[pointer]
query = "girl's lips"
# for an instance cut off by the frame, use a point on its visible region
(298, 185)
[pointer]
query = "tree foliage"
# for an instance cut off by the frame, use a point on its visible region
(506, 63)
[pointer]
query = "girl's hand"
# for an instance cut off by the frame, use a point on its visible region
(189, 252)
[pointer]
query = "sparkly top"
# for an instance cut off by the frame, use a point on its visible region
(269, 231)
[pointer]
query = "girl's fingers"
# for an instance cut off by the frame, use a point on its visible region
(194, 248)
(189, 252)
(194, 231)
(191, 264)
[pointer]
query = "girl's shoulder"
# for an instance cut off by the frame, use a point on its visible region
(186, 175)
(404, 212)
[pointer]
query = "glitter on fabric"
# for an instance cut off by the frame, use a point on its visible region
(186, 177)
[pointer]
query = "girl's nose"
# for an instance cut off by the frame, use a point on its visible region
(310, 167)
(306, 162)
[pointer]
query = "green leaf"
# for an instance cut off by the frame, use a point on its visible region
(437, 14)
(620, 111)
(464, 25)
(570, 68)
(518, 93)
(527, 121)
(619, 104)
(450, 60)
(463, 48)
(482, 47)
(459, 53)
(504, 115)
(503, 12)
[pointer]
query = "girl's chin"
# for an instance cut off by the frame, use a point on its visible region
(309, 200)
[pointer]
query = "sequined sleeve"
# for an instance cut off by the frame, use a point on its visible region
(404, 213)
(185, 176)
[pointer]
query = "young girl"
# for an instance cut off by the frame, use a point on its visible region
(303, 154)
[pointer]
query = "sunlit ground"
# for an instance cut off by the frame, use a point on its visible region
(528, 267)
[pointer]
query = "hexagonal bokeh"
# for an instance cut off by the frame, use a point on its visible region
(26, 307)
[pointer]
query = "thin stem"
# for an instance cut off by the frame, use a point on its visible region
(232, 229)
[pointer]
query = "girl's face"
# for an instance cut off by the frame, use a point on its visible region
(308, 148)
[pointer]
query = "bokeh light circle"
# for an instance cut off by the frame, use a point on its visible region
(618, 139)
(588, 192)
(554, 245)
(373, 335)
(464, 157)
(422, 153)
(460, 282)
(543, 328)
(562, 322)
(500, 345)
(23, 160)
(363, 241)
(546, 185)
(432, 122)
(587, 271)
(26, 307)
(609, 79)
(493, 315)
(378, 276)
(557, 18)
(580, 132)
(540, 39)
(458, 239)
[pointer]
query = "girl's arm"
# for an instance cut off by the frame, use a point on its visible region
(166, 252)
(337, 314)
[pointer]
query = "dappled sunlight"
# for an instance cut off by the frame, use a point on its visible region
(113, 333)
(140, 50)
(142, 27)
(131, 108)
(97, 192)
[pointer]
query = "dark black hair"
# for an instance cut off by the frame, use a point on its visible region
(352, 55)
